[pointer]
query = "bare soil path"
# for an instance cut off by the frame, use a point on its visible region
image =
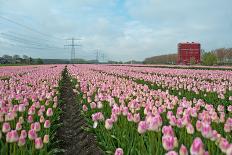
(74, 140)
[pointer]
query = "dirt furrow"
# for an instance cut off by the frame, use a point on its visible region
(74, 140)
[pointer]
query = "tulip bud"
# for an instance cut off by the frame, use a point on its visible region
(85, 108)
(197, 146)
(46, 139)
(21, 141)
(47, 124)
(49, 112)
(37, 126)
(38, 143)
(183, 150)
(171, 153)
(18, 126)
(108, 124)
(41, 119)
(30, 119)
(32, 134)
(23, 134)
(142, 127)
(118, 151)
(6, 127)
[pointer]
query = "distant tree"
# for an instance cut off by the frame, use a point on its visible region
(30, 60)
(16, 59)
(25, 59)
(209, 59)
(8, 58)
(39, 61)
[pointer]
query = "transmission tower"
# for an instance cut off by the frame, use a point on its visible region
(72, 45)
(97, 56)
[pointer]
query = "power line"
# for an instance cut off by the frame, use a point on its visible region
(28, 28)
(26, 41)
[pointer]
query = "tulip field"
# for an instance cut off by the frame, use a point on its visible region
(131, 110)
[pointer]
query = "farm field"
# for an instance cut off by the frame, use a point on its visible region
(109, 109)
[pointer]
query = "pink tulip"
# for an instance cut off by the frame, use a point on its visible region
(41, 119)
(6, 127)
(49, 112)
(171, 153)
(183, 150)
(136, 118)
(129, 117)
(229, 150)
(21, 108)
(47, 124)
(30, 119)
(38, 143)
(23, 134)
(93, 105)
(206, 130)
(118, 151)
(197, 147)
(190, 128)
(12, 136)
(37, 126)
(18, 126)
(167, 131)
(32, 134)
(224, 145)
(142, 127)
(108, 124)
(21, 141)
(168, 142)
(84, 108)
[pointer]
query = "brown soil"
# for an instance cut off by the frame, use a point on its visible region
(74, 140)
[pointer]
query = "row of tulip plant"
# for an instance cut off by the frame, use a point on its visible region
(211, 86)
(131, 118)
(28, 109)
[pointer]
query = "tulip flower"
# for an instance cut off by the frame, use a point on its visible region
(142, 127)
(21, 141)
(49, 112)
(118, 151)
(32, 134)
(108, 124)
(183, 150)
(46, 139)
(38, 143)
(47, 124)
(6, 127)
(197, 147)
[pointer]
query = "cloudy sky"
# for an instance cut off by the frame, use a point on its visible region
(121, 29)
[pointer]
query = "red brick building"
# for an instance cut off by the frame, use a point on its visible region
(189, 51)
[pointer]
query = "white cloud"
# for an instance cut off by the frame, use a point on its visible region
(132, 30)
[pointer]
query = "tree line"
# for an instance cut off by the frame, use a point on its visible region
(17, 59)
(221, 56)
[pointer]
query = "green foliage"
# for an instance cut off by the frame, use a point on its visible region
(39, 61)
(209, 59)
